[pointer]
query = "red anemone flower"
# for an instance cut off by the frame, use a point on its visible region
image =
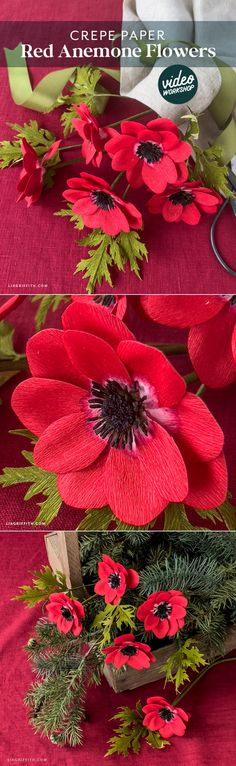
(10, 304)
(94, 137)
(66, 613)
(114, 420)
(163, 613)
(127, 651)
(99, 207)
(117, 304)
(163, 717)
(151, 154)
(212, 319)
(114, 580)
(185, 203)
(31, 178)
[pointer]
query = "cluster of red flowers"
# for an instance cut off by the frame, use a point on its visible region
(163, 614)
(153, 155)
(114, 420)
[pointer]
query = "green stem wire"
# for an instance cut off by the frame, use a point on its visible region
(199, 677)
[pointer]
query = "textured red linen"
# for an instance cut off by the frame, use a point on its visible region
(210, 738)
(38, 252)
(14, 512)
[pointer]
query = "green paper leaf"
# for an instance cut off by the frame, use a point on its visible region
(86, 89)
(228, 514)
(113, 617)
(193, 130)
(106, 252)
(41, 483)
(45, 582)
(24, 432)
(47, 303)
(210, 168)
(97, 518)
(131, 732)
(188, 657)
(39, 138)
(176, 517)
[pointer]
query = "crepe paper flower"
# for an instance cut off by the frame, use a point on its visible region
(114, 420)
(117, 304)
(127, 651)
(10, 304)
(163, 613)
(163, 717)
(114, 580)
(100, 207)
(66, 613)
(185, 203)
(31, 178)
(94, 137)
(212, 319)
(151, 154)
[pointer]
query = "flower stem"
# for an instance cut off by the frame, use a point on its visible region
(201, 390)
(133, 117)
(126, 192)
(72, 146)
(200, 676)
(170, 349)
(69, 162)
(191, 377)
(117, 179)
(8, 365)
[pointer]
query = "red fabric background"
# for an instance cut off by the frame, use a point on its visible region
(38, 251)
(14, 512)
(210, 738)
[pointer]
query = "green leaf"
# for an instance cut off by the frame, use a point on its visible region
(228, 514)
(188, 657)
(24, 432)
(209, 167)
(86, 89)
(7, 350)
(68, 213)
(38, 138)
(130, 733)
(41, 483)
(176, 517)
(193, 130)
(44, 582)
(113, 617)
(106, 252)
(47, 303)
(97, 518)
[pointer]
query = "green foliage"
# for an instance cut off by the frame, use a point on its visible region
(106, 252)
(24, 432)
(131, 732)
(176, 517)
(8, 353)
(111, 619)
(44, 583)
(97, 518)
(39, 138)
(86, 89)
(193, 130)
(68, 213)
(188, 657)
(47, 303)
(41, 483)
(209, 167)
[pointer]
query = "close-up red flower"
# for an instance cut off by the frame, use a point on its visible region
(114, 421)
(127, 651)
(30, 184)
(100, 207)
(185, 203)
(152, 154)
(66, 613)
(163, 613)
(212, 322)
(117, 304)
(94, 137)
(163, 717)
(114, 580)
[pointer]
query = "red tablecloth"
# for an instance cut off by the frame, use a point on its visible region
(14, 512)
(38, 251)
(211, 735)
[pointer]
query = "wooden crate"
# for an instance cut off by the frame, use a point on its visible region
(63, 552)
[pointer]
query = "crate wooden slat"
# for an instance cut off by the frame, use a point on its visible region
(63, 552)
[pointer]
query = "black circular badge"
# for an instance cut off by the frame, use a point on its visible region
(178, 84)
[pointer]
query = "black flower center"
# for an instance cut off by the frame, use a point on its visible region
(114, 580)
(182, 198)
(162, 610)
(166, 714)
(233, 300)
(105, 300)
(129, 651)
(121, 413)
(149, 151)
(103, 200)
(66, 613)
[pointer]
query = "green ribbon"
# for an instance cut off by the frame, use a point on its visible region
(221, 110)
(44, 94)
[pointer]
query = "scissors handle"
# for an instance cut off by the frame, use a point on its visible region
(223, 263)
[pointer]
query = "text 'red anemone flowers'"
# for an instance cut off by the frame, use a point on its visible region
(93, 199)
(30, 184)
(127, 651)
(94, 137)
(163, 717)
(185, 203)
(117, 304)
(211, 344)
(114, 580)
(163, 613)
(152, 154)
(114, 421)
(66, 613)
